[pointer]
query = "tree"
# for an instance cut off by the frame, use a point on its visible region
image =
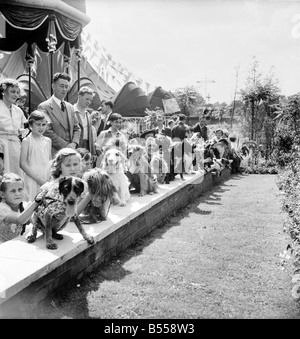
(189, 100)
(259, 93)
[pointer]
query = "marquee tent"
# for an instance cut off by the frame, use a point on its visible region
(164, 100)
(131, 101)
(42, 38)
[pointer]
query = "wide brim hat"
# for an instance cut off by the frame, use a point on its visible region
(147, 131)
(223, 140)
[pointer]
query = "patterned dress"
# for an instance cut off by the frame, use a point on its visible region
(7, 231)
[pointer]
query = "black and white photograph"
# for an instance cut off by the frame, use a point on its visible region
(149, 162)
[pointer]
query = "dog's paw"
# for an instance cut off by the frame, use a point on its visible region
(90, 239)
(51, 246)
(122, 204)
(31, 238)
(57, 236)
(151, 193)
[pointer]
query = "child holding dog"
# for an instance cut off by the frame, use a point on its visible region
(67, 162)
(36, 155)
(13, 216)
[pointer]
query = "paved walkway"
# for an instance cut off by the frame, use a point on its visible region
(218, 258)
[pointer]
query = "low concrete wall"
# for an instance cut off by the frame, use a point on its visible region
(30, 272)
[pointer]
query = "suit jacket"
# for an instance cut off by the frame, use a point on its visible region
(103, 125)
(201, 130)
(178, 131)
(90, 132)
(165, 131)
(58, 131)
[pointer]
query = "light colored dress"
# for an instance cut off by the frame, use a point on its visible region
(11, 123)
(7, 231)
(38, 158)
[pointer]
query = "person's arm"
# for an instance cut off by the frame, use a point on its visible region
(23, 163)
(16, 218)
(76, 130)
(83, 203)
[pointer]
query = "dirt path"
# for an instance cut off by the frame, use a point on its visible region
(218, 258)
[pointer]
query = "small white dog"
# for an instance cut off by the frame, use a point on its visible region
(114, 164)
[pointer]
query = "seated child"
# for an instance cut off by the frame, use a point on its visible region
(13, 216)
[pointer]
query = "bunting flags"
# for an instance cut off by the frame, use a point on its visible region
(110, 70)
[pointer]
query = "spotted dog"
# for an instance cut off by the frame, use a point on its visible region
(56, 210)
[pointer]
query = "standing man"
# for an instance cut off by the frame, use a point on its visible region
(201, 128)
(63, 129)
(106, 110)
(85, 98)
(160, 127)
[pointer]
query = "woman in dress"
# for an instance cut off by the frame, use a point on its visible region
(12, 122)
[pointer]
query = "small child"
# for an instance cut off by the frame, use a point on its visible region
(36, 155)
(13, 216)
(67, 162)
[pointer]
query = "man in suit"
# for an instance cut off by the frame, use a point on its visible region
(106, 110)
(161, 128)
(85, 98)
(201, 128)
(63, 128)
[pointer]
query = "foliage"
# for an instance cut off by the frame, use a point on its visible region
(190, 100)
(258, 165)
(260, 97)
(289, 183)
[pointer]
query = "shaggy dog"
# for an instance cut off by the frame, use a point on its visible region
(139, 171)
(114, 164)
(103, 194)
(56, 210)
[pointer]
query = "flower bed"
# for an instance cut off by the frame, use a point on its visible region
(289, 184)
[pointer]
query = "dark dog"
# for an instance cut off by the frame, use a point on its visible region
(56, 210)
(103, 194)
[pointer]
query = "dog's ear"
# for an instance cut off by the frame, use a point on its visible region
(78, 186)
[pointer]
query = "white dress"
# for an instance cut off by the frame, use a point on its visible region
(38, 158)
(11, 123)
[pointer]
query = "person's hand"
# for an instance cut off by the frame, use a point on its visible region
(72, 145)
(40, 196)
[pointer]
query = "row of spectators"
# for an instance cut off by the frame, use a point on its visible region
(30, 148)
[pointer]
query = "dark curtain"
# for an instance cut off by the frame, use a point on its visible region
(29, 25)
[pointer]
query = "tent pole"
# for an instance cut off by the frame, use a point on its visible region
(29, 89)
(51, 72)
(78, 73)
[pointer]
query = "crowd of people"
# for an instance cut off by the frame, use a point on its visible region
(60, 139)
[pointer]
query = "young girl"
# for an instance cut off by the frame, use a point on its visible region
(36, 155)
(67, 162)
(12, 213)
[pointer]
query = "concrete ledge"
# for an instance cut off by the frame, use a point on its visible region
(30, 272)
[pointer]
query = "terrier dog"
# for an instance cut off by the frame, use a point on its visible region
(139, 171)
(51, 217)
